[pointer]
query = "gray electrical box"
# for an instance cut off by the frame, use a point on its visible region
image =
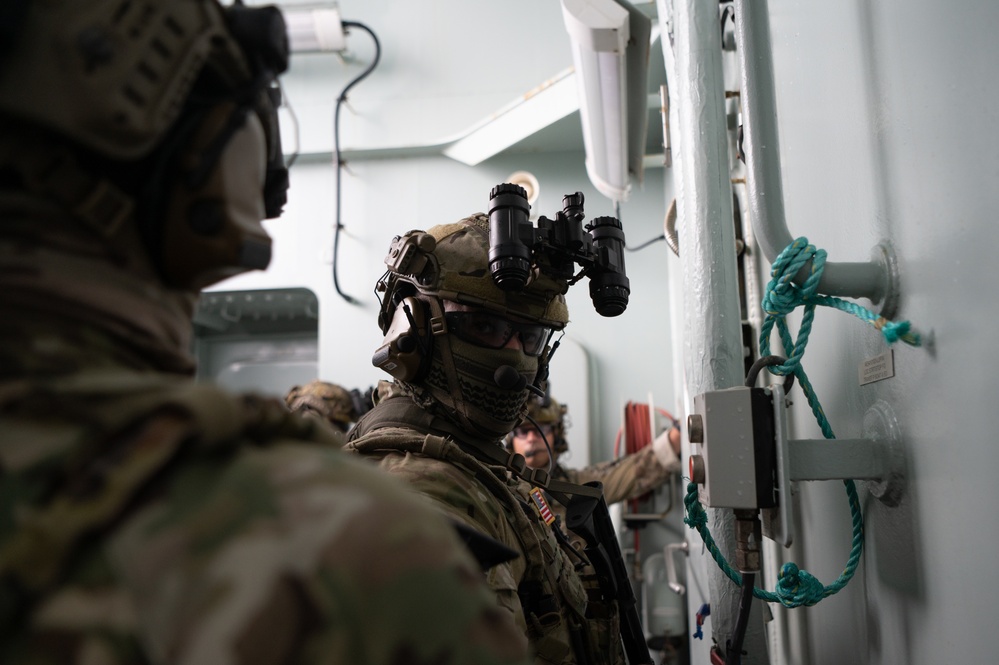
(727, 448)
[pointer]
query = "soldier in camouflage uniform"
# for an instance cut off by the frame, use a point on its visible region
(144, 518)
(627, 477)
(464, 355)
(327, 401)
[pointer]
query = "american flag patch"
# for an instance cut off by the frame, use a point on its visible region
(542, 506)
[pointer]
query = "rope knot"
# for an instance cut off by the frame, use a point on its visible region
(796, 587)
(782, 293)
(696, 515)
(782, 299)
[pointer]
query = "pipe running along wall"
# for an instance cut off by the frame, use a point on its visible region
(875, 279)
(713, 348)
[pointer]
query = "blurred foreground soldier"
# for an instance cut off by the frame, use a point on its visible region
(465, 355)
(143, 518)
(624, 478)
(327, 401)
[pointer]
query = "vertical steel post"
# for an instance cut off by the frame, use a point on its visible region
(713, 353)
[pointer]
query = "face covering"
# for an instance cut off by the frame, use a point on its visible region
(472, 392)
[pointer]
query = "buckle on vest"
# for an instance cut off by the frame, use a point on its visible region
(540, 477)
(438, 326)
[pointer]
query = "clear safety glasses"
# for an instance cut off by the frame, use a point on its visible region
(494, 332)
(526, 430)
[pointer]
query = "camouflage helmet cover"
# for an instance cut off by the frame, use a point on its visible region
(549, 411)
(127, 66)
(546, 411)
(332, 402)
(451, 262)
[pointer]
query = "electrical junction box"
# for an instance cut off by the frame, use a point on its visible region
(737, 448)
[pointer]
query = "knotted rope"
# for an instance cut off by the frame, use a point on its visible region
(796, 587)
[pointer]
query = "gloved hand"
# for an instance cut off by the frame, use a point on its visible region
(666, 447)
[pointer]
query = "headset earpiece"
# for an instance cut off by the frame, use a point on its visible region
(405, 351)
(209, 220)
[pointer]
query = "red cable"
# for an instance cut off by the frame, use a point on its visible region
(637, 427)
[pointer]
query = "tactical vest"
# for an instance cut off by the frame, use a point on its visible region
(107, 439)
(567, 619)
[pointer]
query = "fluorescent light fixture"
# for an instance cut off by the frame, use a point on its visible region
(314, 29)
(528, 114)
(610, 50)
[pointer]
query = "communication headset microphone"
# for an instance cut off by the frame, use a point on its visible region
(508, 378)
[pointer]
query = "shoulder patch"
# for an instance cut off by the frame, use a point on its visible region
(542, 505)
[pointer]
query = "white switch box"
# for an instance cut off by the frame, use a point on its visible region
(727, 448)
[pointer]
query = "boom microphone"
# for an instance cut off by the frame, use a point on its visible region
(508, 378)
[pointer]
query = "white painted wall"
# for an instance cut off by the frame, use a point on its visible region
(886, 113)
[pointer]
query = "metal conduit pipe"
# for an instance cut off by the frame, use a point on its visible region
(876, 279)
(713, 351)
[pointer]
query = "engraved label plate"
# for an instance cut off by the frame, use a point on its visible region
(877, 368)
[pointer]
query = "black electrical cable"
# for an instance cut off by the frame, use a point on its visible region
(336, 147)
(768, 361)
(733, 655)
(548, 447)
(645, 244)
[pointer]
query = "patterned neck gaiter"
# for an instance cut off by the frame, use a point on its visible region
(477, 398)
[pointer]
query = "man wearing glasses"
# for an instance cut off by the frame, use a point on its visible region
(540, 438)
(465, 356)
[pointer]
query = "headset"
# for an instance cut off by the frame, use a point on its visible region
(197, 215)
(406, 350)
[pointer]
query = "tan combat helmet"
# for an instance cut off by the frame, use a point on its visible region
(450, 262)
(155, 113)
(325, 400)
(549, 411)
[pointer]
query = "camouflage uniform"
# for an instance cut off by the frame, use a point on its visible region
(627, 477)
(147, 519)
(624, 478)
(440, 429)
(143, 518)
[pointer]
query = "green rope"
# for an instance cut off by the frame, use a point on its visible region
(796, 587)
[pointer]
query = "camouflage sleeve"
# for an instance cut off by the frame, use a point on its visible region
(299, 554)
(625, 478)
(461, 498)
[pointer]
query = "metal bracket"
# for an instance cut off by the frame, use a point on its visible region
(878, 457)
(778, 523)
(884, 255)
(881, 426)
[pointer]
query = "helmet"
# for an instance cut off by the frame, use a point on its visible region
(326, 400)
(548, 411)
(483, 389)
(451, 262)
(156, 111)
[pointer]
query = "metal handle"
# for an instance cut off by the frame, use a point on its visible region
(668, 552)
